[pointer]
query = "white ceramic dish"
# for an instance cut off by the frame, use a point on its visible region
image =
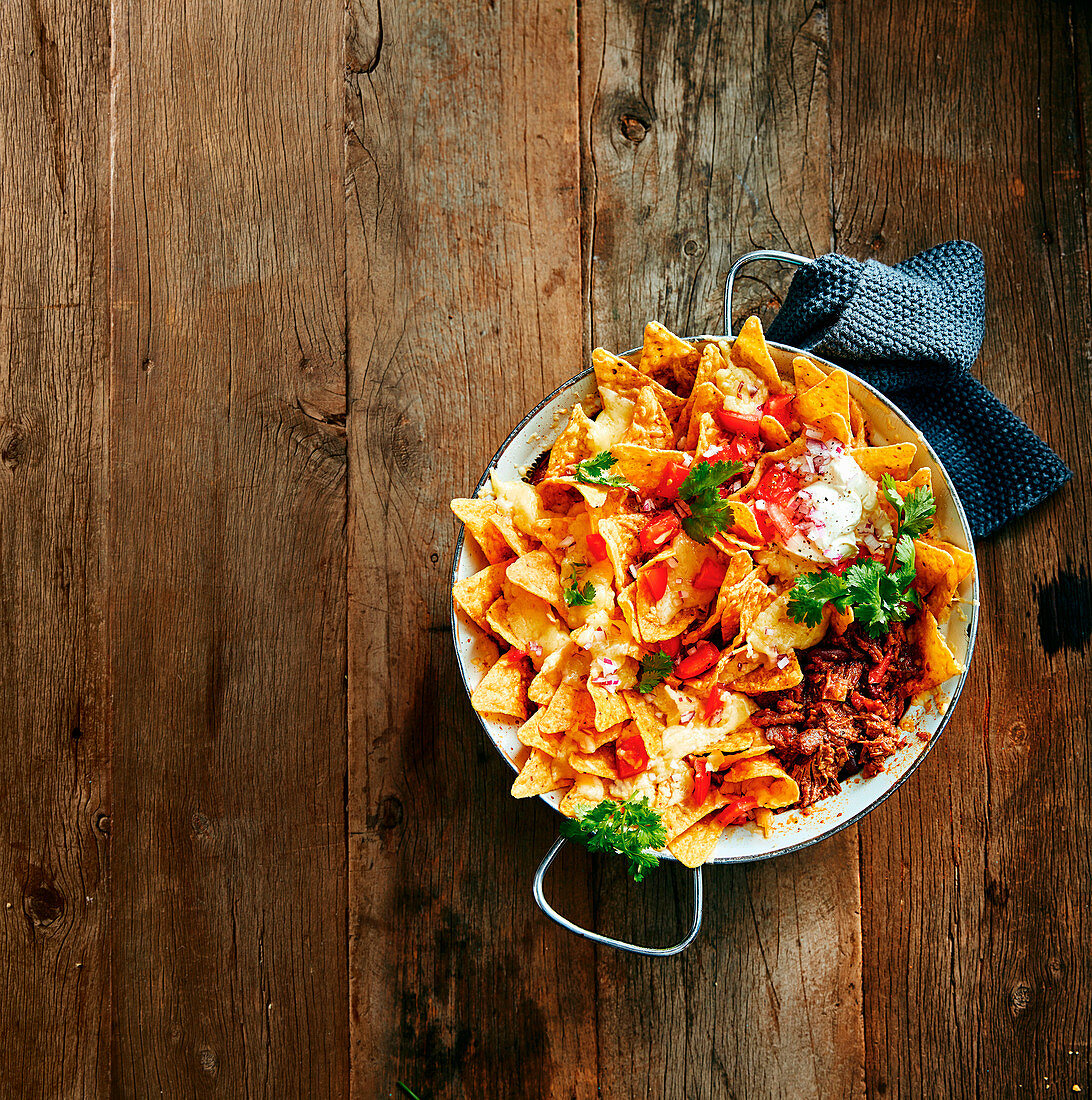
(792, 830)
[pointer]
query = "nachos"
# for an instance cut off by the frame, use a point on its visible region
(714, 596)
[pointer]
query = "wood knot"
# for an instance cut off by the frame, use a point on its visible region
(633, 129)
(389, 814)
(42, 901)
(877, 242)
(691, 248)
(1020, 998)
(200, 824)
(102, 823)
(208, 1061)
(997, 893)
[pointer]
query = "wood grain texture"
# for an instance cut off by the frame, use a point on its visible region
(54, 355)
(966, 121)
(464, 311)
(706, 135)
(228, 550)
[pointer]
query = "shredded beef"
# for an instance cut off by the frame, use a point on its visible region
(842, 718)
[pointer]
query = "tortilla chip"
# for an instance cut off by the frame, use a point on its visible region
(650, 426)
(537, 574)
(601, 762)
(587, 791)
(765, 778)
(570, 709)
(751, 351)
(643, 467)
(806, 373)
(938, 663)
(826, 399)
(573, 445)
(753, 678)
(679, 817)
(774, 633)
(625, 380)
(933, 566)
(663, 349)
(743, 603)
(476, 594)
(877, 461)
(773, 431)
(610, 709)
(491, 528)
(538, 775)
(858, 423)
(647, 719)
(697, 844)
(503, 689)
(706, 398)
(531, 735)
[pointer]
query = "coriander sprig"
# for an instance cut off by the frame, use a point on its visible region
(628, 828)
(593, 471)
(575, 596)
(879, 596)
(655, 668)
(710, 513)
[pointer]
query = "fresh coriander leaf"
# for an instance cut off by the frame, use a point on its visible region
(710, 513)
(812, 592)
(593, 471)
(628, 828)
(876, 597)
(655, 668)
(575, 596)
(917, 513)
(903, 557)
(707, 475)
(887, 486)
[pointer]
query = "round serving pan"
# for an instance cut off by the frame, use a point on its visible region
(792, 830)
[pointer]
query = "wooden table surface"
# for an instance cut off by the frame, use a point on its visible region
(276, 279)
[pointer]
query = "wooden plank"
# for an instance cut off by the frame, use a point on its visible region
(976, 877)
(706, 135)
(54, 354)
(464, 311)
(228, 549)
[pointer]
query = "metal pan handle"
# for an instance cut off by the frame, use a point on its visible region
(622, 945)
(764, 254)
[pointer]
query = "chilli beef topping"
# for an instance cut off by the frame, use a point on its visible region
(843, 717)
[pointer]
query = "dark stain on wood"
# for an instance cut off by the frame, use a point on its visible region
(1065, 611)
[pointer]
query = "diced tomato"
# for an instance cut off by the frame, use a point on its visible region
(698, 659)
(713, 704)
(671, 646)
(765, 528)
(779, 407)
(737, 810)
(778, 484)
(710, 574)
(737, 422)
(701, 780)
(632, 756)
(659, 529)
(597, 546)
(655, 580)
(516, 654)
(781, 519)
(742, 449)
(841, 567)
(673, 476)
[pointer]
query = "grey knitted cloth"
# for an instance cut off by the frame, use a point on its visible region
(913, 331)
